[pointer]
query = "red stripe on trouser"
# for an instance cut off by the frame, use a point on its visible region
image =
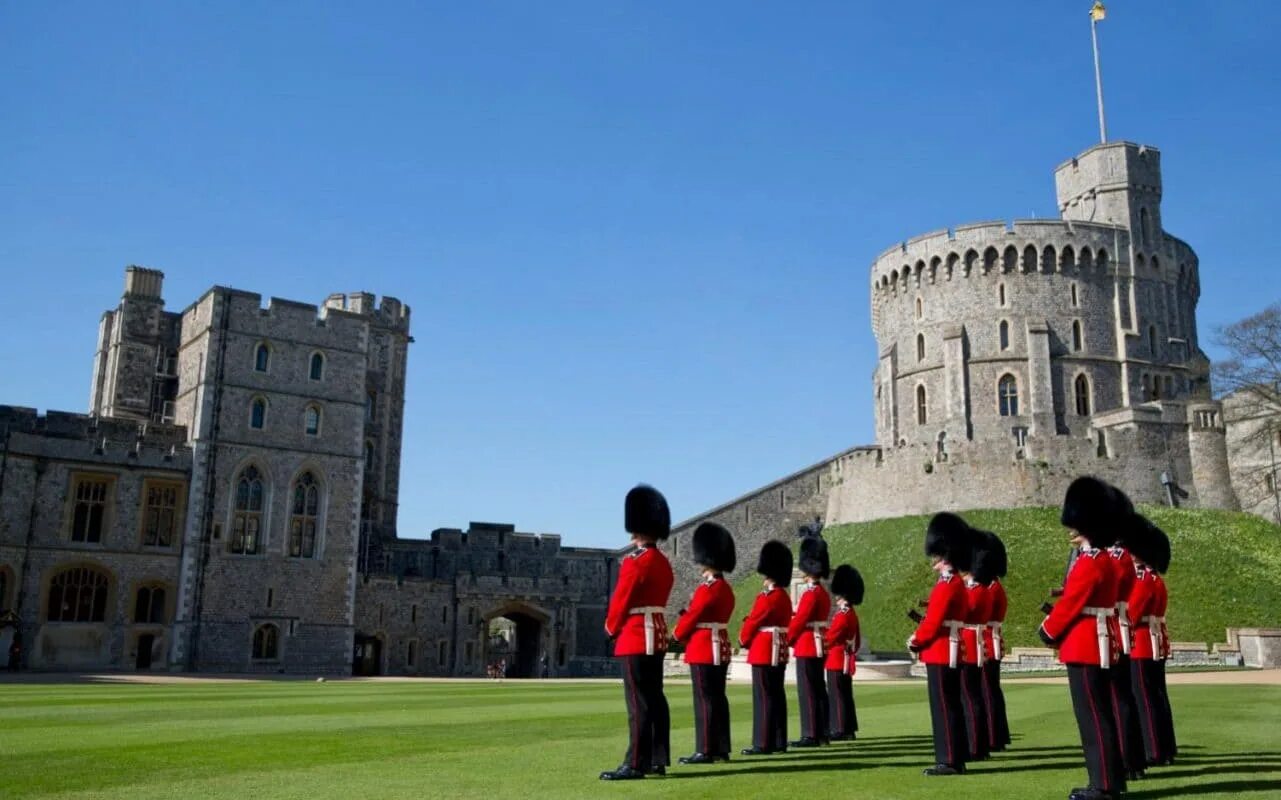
(1098, 734)
(1147, 708)
(762, 722)
(947, 719)
(1122, 730)
(971, 721)
(987, 701)
(707, 717)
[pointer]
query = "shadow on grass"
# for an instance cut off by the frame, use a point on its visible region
(768, 769)
(1225, 787)
(1226, 767)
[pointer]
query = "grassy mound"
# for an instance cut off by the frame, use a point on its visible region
(1224, 571)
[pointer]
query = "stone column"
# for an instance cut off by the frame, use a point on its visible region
(1040, 386)
(957, 424)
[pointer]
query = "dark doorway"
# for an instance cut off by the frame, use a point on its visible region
(145, 642)
(367, 657)
(516, 639)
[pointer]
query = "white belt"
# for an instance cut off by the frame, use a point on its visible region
(978, 640)
(954, 627)
(996, 640)
(648, 612)
(1155, 626)
(817, 628)
(715, 628)
(779, 637)
(1123, 614)
(1101, 628)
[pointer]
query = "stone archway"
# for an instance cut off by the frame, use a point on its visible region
(519, 643)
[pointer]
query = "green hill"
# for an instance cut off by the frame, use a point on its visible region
(1226, 571)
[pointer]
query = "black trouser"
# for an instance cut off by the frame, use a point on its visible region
(947, 714)
(998, 722)
(976, 712)
(1091, 689)
(1170, 744)
(1128, 732)
(1151, 707)
(813, 697)
(711, 709)
(648, 719)
(840, 703)
(769, 708)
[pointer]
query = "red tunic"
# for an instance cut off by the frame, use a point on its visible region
(810, 618)
(1147, 601)
(772, 609)
(1000, 604)
(842, 640)
(644, 581)
(945, 604)
(1090, 584)
(713, 602)
(1123, 567)
(978, 610)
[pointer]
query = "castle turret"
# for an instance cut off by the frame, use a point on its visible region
(1118, 183)
(134, 369)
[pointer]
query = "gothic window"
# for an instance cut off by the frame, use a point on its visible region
(89, 511)
(1029, 258)
(1005, 335)
(317, 369)
(266, 643)
(246, 522)
(1007, 392)
(302, 520)
(149, 605)
(1101, 260)
(921, 410)
(258, 413)
(920, 347)
(262, 357)
(311, 420)
(78, 595)
(160, 513)
(1081, 388)
(1076, 335)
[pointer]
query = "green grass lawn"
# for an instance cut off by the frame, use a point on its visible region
(534, 740)
(1223, 571)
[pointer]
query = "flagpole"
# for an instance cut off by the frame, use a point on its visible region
(1098, 79)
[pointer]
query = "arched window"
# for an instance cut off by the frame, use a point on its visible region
(1000, 294)
(78, 594)
(1004, 331)
(1007, 393)
(371, 402)
(1086, 259)
(1068, 259)
(1152, 340)
(262, 357)
(304, 514)
(922, 413)
(258, 413)
(311, 420)
(1049, 259)
(1101, 261)
(149, 605)
(1029, 258)
(990, 257)
(1081, 387)
(317, 370)
(920, 308)
(1075, 301)
(266, 643)
(920, 347)
(1077, 343)
(1010, 260)
(246, 522)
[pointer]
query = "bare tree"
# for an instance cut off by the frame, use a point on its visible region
(1249, 381)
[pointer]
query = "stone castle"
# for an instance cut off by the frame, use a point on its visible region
(229, 503)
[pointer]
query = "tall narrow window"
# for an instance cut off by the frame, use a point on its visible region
(1076, 335)
(311, 420)
(1000, 295)
(1145, 234)
(371, 400)
(1007, 392)
(266, 643)
(258, 413)
(246, 522)
(160, 514)
(302, 522)
(921, 412)
(920, 347)
(411, 654)
(1074, 300)
(78, 595)
(317, 366)
(90, 509)
(149, 605)
(1081, 388)
(262, 357)
(4, 588)
(1005, 335)
(369, 456)
(1152, 340)
(920, 308)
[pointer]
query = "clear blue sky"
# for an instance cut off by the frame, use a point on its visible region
(635, 236)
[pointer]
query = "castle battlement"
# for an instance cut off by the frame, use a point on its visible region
(388, 312)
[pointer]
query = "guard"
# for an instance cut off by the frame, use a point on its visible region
(805, 635)
(1129, 732)
(994, 642)
(636, 624)
(764, 634)
(702, 627)
(974, 653)
(1150, 548)
(842, 642)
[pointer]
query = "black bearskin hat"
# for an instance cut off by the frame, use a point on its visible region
(989, 557)
(814, 559)
(714, 547)
(1095, 510)
(950, 538)
(1148, 543)
(645, 512)
(776, 562)
(847, 583)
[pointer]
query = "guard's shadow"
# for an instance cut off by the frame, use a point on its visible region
(1224, 787)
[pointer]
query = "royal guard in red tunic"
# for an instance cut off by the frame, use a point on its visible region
(702, 627)
(764, 634)
(996, 563)
(842, 641)
(636, 624)
(937, 640)
(1079, 625)
(974, 653)
(805, 635)
(1150, 548)
(1128, 731)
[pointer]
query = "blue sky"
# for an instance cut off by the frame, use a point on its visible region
(635, 236)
